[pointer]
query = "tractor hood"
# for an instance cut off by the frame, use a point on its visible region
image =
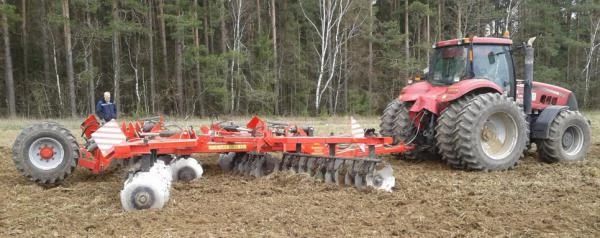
(435, 98)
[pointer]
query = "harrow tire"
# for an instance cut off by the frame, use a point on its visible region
(491, 118)
(31, 163)
(444, 131)
(569, 138)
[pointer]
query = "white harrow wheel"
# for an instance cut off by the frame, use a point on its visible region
(186, 169)
(146, 190)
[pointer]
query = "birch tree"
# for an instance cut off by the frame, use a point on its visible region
(595, 25)
(329, 31)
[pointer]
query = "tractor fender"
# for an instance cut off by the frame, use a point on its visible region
(540, 128)
(435, 98)
(463, 87)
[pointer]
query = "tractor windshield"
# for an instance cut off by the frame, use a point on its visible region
(449, 65)
(490, 62)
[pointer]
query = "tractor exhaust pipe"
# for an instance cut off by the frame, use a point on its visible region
(527, 86)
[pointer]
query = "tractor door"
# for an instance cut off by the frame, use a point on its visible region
(494, 63)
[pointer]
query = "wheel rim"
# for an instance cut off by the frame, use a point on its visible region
(499, 135)
(46, 153)
(572, 140)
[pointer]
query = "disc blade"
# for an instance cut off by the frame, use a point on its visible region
(338, 167)
(226, 161)
(349, 176)
(302, 165)
(310, 166)
(359, 181)
(320, 170)
(384, 179)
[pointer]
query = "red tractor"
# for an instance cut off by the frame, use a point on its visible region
(472, 111)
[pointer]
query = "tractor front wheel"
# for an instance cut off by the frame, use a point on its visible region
(396, 123)
(491, 133)
(569, 138)
(46, 153)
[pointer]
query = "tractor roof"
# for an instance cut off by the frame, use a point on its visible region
(475, 40)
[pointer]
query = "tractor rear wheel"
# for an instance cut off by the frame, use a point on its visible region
(46, 153)
(569, 138)
(491, 133)
(446, 124)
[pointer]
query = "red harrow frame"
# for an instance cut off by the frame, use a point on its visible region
(245, 150)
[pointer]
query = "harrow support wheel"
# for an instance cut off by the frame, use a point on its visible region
(46, 153)
(569, 140)
(186, 169)
(491, 133)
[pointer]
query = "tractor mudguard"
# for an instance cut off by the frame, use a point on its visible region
(541, 126)
(435, 98)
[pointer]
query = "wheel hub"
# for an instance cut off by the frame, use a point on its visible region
(142, 199)
(499, 135)
(572, 140)
(47, 152)
(568, 139)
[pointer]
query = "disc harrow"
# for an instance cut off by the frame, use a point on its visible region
(155, 154)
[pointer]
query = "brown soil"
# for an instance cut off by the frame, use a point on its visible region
(535, 199)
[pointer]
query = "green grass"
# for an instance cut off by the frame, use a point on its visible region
(339, 125)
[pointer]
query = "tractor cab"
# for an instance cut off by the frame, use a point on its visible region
(473, 58)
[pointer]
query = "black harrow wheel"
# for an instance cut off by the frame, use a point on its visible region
(491, 133)
(46, 153)
(569, 138)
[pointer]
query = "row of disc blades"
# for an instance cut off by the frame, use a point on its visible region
(360, 173)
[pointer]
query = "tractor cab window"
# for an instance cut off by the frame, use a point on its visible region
(491, 62)
(449, 65)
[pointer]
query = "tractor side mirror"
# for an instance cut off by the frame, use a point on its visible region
(492, 57)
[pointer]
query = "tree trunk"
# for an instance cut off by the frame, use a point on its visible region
(206, 27)
(258, 20)
(116, 52)
(459, 20)
(8, 68)
(406, 40)
(179, 69)
(25, 48)
(439, 20)
(428, 46)
(275, 60)
(222, 27)
(200, 92)
(370, 57)
(89, 65)
(151, 56)
(44, 43)
(163, 38)
(69, 58)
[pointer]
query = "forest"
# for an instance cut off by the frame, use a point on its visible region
(269, 57)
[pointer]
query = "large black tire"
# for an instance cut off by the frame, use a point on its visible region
(446, 125)
(491, 133)
(46, 153)
(396, 123)
(569, 138)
